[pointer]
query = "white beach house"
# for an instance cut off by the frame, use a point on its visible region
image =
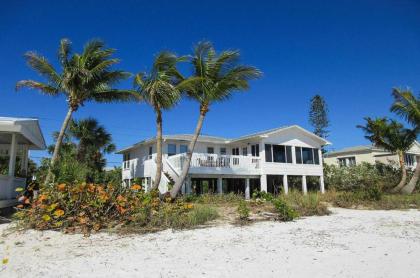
(17, 137)
(271, 161)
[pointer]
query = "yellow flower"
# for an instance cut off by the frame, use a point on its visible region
(42, 197)
(19, 189)
(46, 217)
(135, 187)
(59, 212)
(5, 260)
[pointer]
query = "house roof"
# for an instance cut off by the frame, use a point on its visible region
(215, 139)
(355, 149)
(28, 128)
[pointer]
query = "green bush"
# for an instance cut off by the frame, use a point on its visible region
(361, 176)
(284, 211)
(243, 210)
(306, 205)
(262, 195)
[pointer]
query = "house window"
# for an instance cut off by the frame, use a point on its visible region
(171, 149)
(255, 150)
(222, 151)
(279, 153)
(409, 159)
(307, 156)
(268, 153)
(183, 148)
(289, 158)
(244, 151)
(126, 161)
(347, 161)
(298, 154)
(316, 156)
(235, 151)
(150, 151)
(210, 150)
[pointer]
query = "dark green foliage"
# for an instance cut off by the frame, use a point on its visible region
(285, 212)
(318, 116)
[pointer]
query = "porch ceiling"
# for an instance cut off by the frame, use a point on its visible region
(6, 138)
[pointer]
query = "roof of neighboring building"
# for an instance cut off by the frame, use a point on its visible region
(355, 149)
(215, 139)
(28, 128)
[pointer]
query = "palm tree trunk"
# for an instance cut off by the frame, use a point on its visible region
(409, 188)
(186, 167)
(403, 173)
(58, 144)
(159, 167)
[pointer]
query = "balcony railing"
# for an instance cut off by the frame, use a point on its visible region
(204, 160)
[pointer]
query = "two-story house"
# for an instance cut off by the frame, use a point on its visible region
(274, 160)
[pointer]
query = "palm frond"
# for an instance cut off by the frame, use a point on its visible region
(41, 65)
(42, 87)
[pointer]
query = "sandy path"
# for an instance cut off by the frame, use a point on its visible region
(348, 243)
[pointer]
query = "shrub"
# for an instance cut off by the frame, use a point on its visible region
(285, 212)
(243, 210)
(306, 205)
(86, 207)
(361, 176)
(262, 195)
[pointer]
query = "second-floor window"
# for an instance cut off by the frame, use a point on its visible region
(183, 148)
(150, 151)
(171, 149)
(255, 150)
(245, 151)
(307, 155)
(278, 153)
(347, 161)
(235, 151)
(126, 161)
(409, 159)
(210, 150)
(223, 151)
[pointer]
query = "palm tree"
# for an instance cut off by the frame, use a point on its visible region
(83, 77)
(407, 106)
(215, 78)
(93, 142)
(393, 137)
(159, 89)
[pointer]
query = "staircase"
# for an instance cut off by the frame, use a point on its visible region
(169, 177)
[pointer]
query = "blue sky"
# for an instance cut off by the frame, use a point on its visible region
(350, 52)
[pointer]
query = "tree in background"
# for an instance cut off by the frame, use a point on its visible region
(393, 137)
(159, 89)
(215, 78)
(407, 106)
(318, 116)
(84, 77)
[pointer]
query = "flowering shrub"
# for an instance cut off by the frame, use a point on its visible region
(86, 207)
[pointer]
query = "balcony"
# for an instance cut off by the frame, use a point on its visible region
(203, 163)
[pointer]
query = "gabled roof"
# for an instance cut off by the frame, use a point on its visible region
(27, 127)
(221, 140)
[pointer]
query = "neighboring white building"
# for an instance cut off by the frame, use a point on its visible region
(371, 154)
(264, 161)
(17, 137)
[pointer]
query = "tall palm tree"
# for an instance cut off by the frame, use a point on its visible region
(159, 89)
(83, 77)
(407, 106)
(393, 137)
(94, 142)
(215, 78)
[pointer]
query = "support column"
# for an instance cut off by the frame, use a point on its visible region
(220, 185)
(285, 184)
(263, 183)
(247, 189)
(188, 185)
(321, 184)
(12, 156)
(304, 187)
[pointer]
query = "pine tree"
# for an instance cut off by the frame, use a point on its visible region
(318, 116)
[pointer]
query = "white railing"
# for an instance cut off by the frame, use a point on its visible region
(204, 160)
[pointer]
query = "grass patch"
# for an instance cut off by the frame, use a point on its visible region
(306, 205)
(371, 200)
